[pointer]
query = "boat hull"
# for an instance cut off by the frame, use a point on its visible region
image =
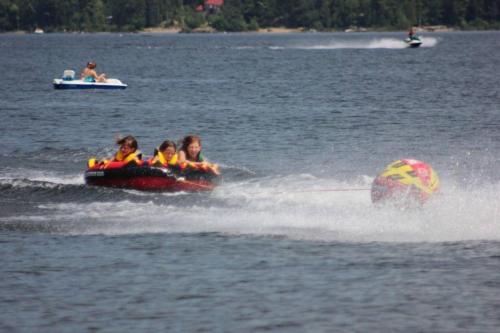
(80, 84)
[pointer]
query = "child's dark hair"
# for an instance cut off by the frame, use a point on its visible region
(129, 140)
(189, 140)
(167, 143)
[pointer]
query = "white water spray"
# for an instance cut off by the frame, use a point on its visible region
(297, 206)
(382, 43)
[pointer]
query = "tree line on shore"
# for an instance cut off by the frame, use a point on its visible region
(245, 15)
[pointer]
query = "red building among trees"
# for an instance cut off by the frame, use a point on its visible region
(210, 6)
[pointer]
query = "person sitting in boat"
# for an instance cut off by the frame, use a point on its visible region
(90, 75)
(165, 155)
(190, 155)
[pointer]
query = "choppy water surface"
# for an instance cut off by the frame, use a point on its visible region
(290, 241)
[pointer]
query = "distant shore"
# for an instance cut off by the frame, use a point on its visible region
(284, 30)
(271, 30)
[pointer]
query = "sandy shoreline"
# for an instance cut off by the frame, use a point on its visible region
(279, 30)
(175, 30)
(171, 30)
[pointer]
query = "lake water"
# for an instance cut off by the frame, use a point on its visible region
(290, 241)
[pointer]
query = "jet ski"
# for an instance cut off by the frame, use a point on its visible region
(413, 41)
(68, 81)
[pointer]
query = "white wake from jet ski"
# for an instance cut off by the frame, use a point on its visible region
(379, 43)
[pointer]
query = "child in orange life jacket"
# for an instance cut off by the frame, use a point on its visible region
(165, 155)
(128, 151)
(190, 154)
(127, 154)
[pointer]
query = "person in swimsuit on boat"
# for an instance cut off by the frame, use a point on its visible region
(90, 75)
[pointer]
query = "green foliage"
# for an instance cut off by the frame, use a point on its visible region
(7, 11)
(253, 25)
(241, 15)
(230, 18)
(128, 15)
(227, 23)
(193, 20)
